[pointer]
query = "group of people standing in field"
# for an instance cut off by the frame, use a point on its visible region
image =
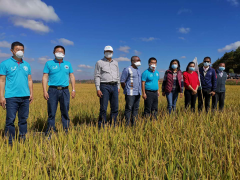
(202, 84)
(16, 88)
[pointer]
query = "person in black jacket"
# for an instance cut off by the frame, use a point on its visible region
(220, 91)
(208, 83)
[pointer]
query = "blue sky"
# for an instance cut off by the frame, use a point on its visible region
(163, 29)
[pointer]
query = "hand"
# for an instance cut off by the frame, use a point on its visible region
(31, 98)
(158, 94)
(194, 92)
(73, 94)
(181, 95)
(212, 93)
(3, 102)
(144, 96)
(163, 94)
(118, 91)
(99, 93)
(45, 95)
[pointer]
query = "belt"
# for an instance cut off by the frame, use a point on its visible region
(151, 91)
(109, 83)
(58, 87)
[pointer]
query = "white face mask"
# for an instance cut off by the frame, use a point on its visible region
(153, 67)
(59, 55)
(19, 54)
(108, 54)
(137, 64)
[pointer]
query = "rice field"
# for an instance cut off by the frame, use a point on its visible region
(184, 145)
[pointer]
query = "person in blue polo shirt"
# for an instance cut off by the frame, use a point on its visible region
(15, 78)
(208, 82)
(131, 83)
(58, 72)
(150, 88)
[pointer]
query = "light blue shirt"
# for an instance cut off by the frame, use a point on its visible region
(16, 77)
(151, 79)
(132, 78)
(58, 72)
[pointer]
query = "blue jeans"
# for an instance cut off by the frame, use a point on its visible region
(56, 96)
(131, 107)
(14, 105)
(172, 98)
(110, 93)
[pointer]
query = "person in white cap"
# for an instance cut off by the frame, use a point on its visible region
(107, 81)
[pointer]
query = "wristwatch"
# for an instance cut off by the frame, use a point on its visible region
(73, 90)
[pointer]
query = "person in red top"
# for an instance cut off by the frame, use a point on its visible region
(191, 84)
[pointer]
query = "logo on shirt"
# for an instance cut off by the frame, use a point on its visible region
(156, 74)
(13, 68)
(66, 67)
(25, 68)
(54, 67)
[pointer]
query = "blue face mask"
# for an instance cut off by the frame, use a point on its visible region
(191, 68)
(221, 68)
(174, 66)
(206, 64)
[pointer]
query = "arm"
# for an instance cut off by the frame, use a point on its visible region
(118, 79)
(2, 87)
(72, 78)
(97, 80)
(164, 84)
(214, 81)
(30, 85)
(123, 84)
(44, 84)
(124, 78)
(143, 90)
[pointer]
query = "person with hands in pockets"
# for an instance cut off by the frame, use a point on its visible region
(57, 73)
(16, 80)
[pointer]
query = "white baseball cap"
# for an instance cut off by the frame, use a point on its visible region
(108, 48)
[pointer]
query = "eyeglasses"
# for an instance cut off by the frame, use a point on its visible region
(207, 61)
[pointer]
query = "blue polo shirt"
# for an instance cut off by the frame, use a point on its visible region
(151, 79)
(16, 77)
(58, 72)
(132, 78)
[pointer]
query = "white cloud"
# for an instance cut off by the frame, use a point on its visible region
(4, 55)
(124, 49)
(44, 59)
(121, 59)
(184, 30)
(181, 38)
(183, 57)
(35, 9)
(137, 53)
(2, 35)
(234, 2)
(148, 39)
(65, 42)
(37, 26)
(29, 59)
(5, 44)
(85, 66)
(229, 47)
(79, 70)
(184, 10)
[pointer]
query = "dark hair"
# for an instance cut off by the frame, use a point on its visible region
(170, 66)
(207, 58)
(16, 44)
(59, 46)
(133, 57)
(189, 65)
(152, 58)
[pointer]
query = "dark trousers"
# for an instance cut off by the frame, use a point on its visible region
(14, 105)
(190, 99)
(218, 98)
(63, 97)
(204, 94)
(151, 104)
(131, 107)
(110, 93)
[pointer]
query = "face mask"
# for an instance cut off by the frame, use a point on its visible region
(153, 67)
(137, 64)
(191, 68)
(221, 68)
(108, 54)
(206, 64)
(19, 54)
(59, 55)
(174, 66)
